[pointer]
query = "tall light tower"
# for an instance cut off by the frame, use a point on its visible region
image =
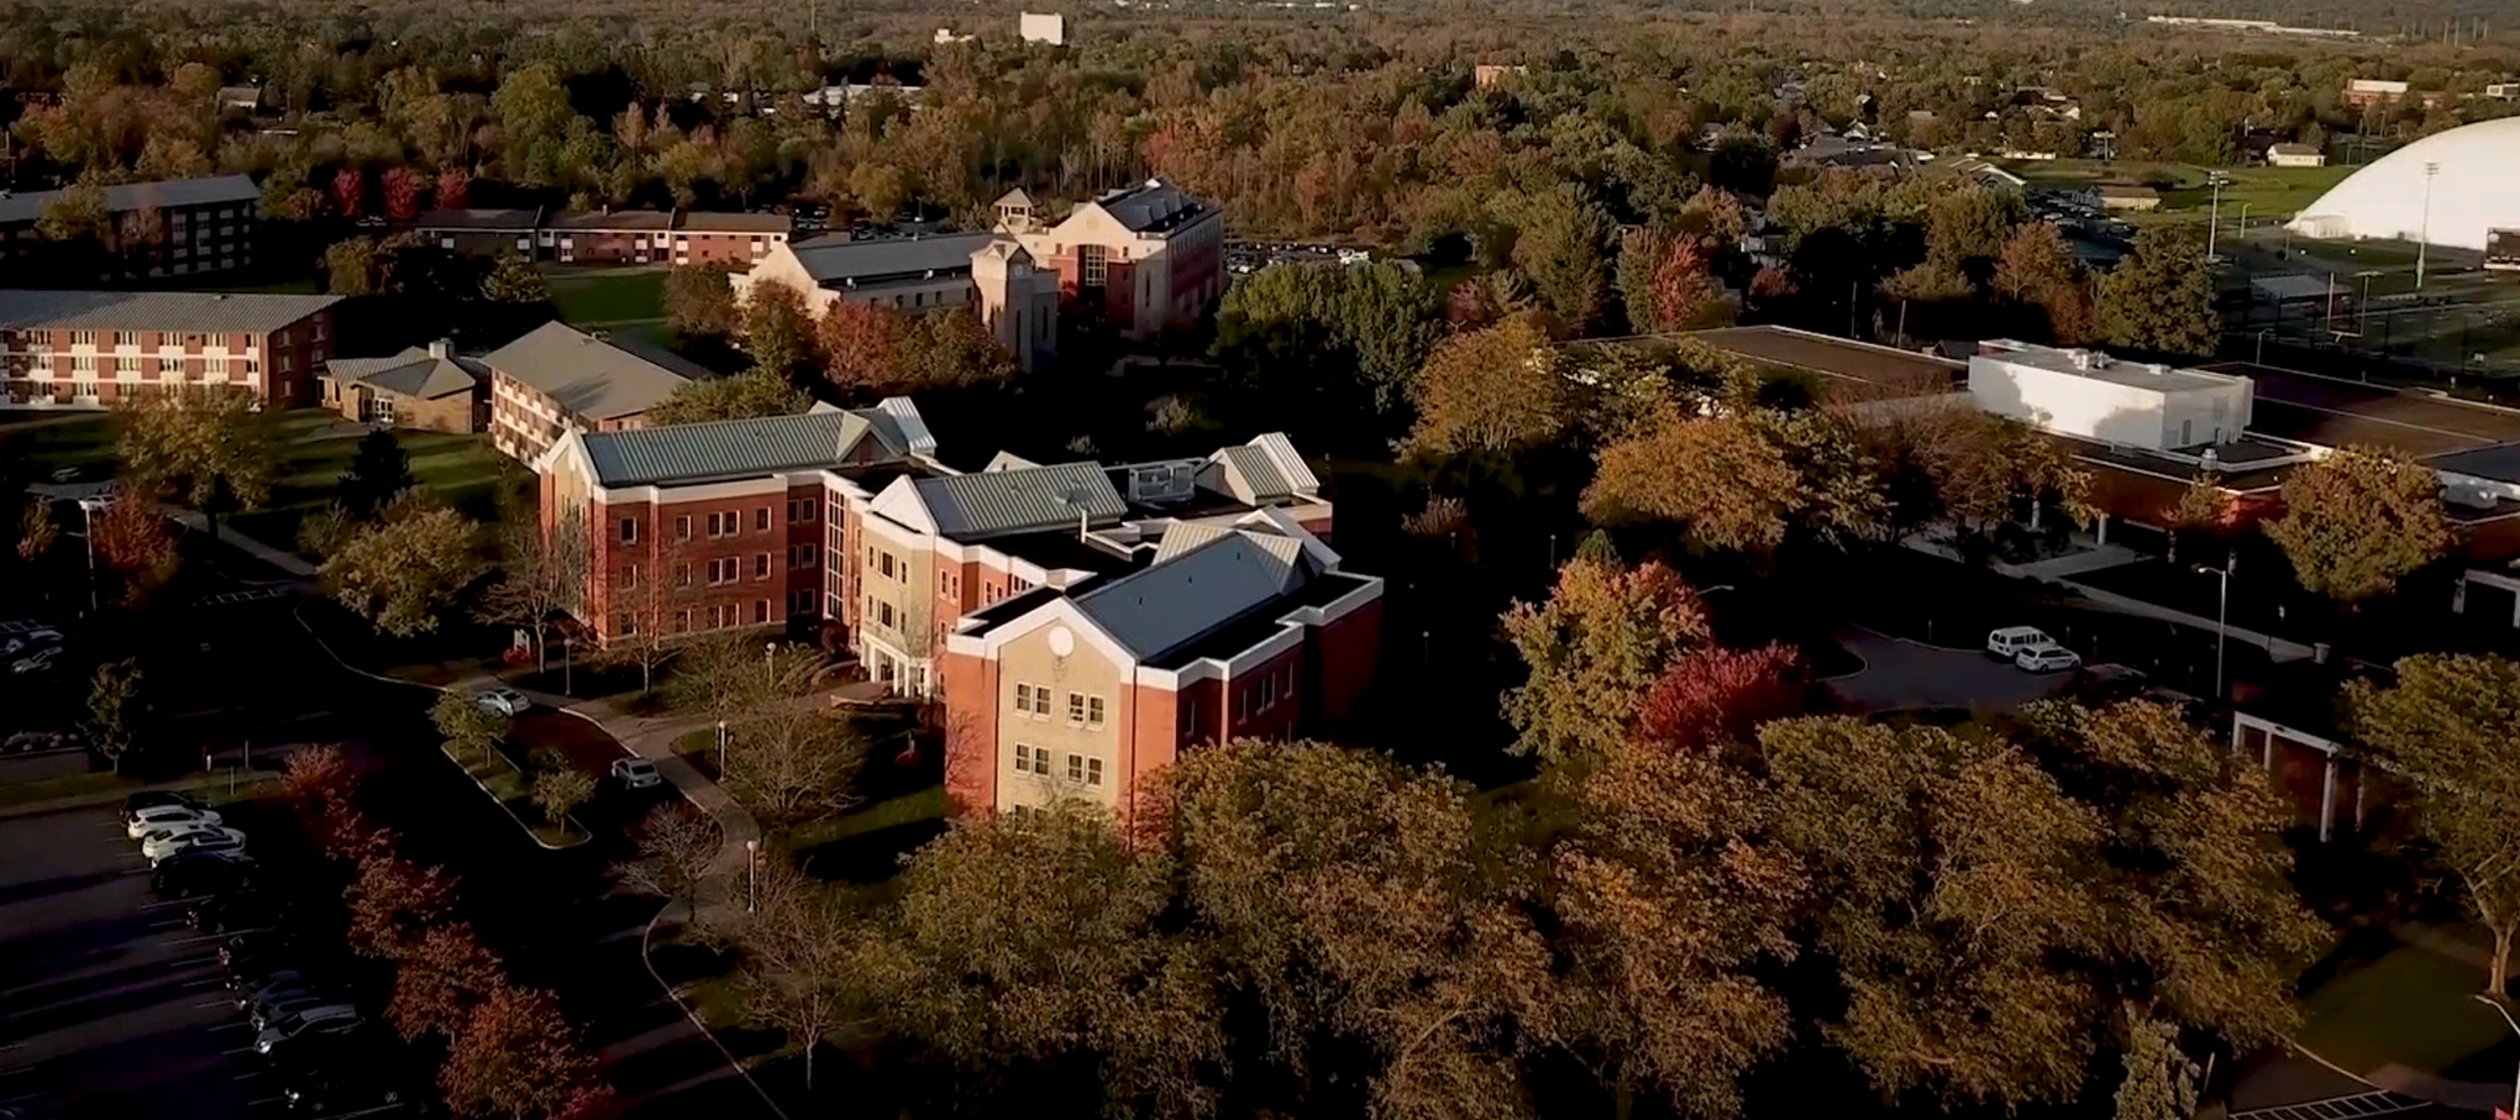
(2423, 241)
(2213, 224)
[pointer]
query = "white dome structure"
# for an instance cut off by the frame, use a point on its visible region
(2475, 187)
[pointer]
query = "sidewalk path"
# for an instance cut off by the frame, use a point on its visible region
(280, 558)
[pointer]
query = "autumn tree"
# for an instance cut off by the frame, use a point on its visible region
(1974, 469)
(952, 349)
(2445, 731)
(675, 845)
(1497, 390)
(778, 331)
(401, 194)
(2358, 520)
(2204, 509)
(440, 979)
(350, 267)
(861, 345)
(1664, 281)
(37, 531)
(516, 1057)
(1713, 696)
(699, 303)
(789, 762)
(349, 193)
(467, 727)
(513, 279)
(542, 574)
(2158, 1081)
(2038, 271)
(391, 901)
(2161, 297)
(115, 710)
(1594, 651)
(135, 542)
(800, 957)
(211, 449)
(406, 571)
(559, 791)
(1740, 480)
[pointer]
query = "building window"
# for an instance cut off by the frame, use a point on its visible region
(1093, 711)
(84, 363)
(1093, 771)
(1094, 265)
(761, 565)
(83, 338)
(725, 570)
(1031, 759)
(761, 520)
(682, 528)
(800, 511)
(761, 610)
(630, 577)
(629, 530)
(170, 365)
(800, 556)
(624, 625)
(126, 338)
(1023, 698)
(884, 563)
(682, 576)
(1076, 707)
(1041, 700)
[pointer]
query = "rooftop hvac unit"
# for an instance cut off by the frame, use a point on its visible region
(1159, 482)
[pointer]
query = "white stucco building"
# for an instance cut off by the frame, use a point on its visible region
(2089, 395)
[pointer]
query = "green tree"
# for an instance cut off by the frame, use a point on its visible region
(2445, 731)
(1562, 242)
(2161, 297)
(379, 469)
(350, 267)
(778, 332)
(2159, 1081)
(952, 349)
(210, 449)
(467, 727)
(1593, 651)
(543, 141)
(559, 791)
(77, 214)
(513, 279)
(1346, 336)
(2359, 519)
(753, 393)
(2036, 270)
(405, 572)
(115, 710)
(1497, 390)
(699, 303)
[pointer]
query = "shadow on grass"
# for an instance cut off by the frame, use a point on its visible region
(869, 857)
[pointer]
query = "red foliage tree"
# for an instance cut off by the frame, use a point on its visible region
(861, 344)
(516, 1057)
(392, 901)
(1470, 306)
(402, 194)
(1713, 696)
(132, 541)
(454, 188)
(349, 192)
(438, 984)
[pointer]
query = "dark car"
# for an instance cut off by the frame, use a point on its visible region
(235, 910)
(252, 989)
(187, 874)
(261, 949)
(153, 798)
(335, 1087)
(284, 1041)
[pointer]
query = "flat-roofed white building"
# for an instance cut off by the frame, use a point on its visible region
(2089, 395)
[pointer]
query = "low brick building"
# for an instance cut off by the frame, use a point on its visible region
(557, 379)
(87, 350)
(175, 227)
(609, 237)
(430, 388)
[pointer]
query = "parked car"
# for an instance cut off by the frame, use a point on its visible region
(2046, 658)
(153, 798)
(157, 817)
(166, 842)
(2011, 640)
(29, 640)
(338, 1086)
(289, 1011)
(226, 913)
(636, 773)
(28, 742)
(505, 701)
(189, 874)
(259, 951)
(250, 987)
(280, 1038)
(39, 661)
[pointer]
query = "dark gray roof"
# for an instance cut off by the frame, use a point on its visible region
(833, 260)
(514, 220)
(720, 449)
(1190, 594)
(589, 376)
(991, 503)
(28, 206)
(638, 220)
(2498, 463)
(727, 221)
(1154, 207)
(413, 373)
(188, 312)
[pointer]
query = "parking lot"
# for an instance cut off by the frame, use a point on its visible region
(115, 1008)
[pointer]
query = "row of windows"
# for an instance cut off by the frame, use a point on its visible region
(725, 523)
(1082, 710)
(1261, 695)
(717, 616)
(1081, 769)
(217, 367)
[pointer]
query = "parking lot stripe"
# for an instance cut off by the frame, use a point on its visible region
(238, 1050)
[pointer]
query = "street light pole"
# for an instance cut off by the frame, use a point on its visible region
(87, 510)
(770, 664)
(752, 861)
(2423, 240)
(721, 750)
(2505, 1012)
(2213, 223)
(2222, 621)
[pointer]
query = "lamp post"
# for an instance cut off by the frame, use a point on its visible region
(721, 750)
(2213, 223)
(770, 664)
(88, 507)
(2362, 311)
(2505, 1012)
(2423, 237)
(752, 861)
(2222, 619)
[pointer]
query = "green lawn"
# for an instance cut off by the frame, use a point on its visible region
(48, 441)
(318, 445)
(924, 805)
(2267, 192)
(607, 295)
(506, 783)
(2410, 1007)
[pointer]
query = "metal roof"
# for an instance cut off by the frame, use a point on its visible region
(28, 206)
(727, 221)
(1154, 207)
(718, 449)
(1266, 469)
(511, 220)
(587, 375)
(413, 373)
(834, 259)
(1192, 593)
(183, 312)
(1023, 500)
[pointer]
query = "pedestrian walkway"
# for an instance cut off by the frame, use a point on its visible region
(652, 738)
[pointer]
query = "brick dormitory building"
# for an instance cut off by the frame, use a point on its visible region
(1077, 624)
(170, 228)
(87, 350)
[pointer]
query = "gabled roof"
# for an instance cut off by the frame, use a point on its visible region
(1017, 197)
(589, 376)
(413, 373)
(1195, 591)
(28, 206)
(1154, 206)
(1021, 500)
(183, 312)
(723, 449)
(1267, 469)
(833, 260)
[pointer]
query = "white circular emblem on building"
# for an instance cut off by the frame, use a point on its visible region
(1062, 641)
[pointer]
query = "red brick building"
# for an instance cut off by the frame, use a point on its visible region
(609, 237)
(72, 349)
(177, 227)
(1150, 258)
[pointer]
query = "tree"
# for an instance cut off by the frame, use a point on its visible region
(1975, 469)
(349, 193)
(1494, 390)
(209, 448)
(115, 710)
(350, 267)
(77, 213)
(513, 279)
(2160, 1081)
(1665, 898)
(379, 471)
(440, 980)
(699, 303)
(1347, 336)
(2445, 731)
(542, 573)
(861, 345)
(755, 392)
(36, 531)
(676, 844)
(392, 901)
(1715, 696)
(2161, 297)
(778, 332)
(649, 615)
(952, 349)
(132, 541)
(1562, 244)
(516, 1057)
(402, 194)
(799, 960)
(403, 573)
(1594, 651)
(1664, 280)
(468, 727)
(2204, 507)
(314, 778)
(1715, 476)
(790, 762)
(2359, 519)
(559, 791)
(2036, 269)
(454, 188)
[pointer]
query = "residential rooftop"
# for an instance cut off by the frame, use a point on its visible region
(718, 450)
(590, 376)
(416, 372)
(27, 206)
(1850, 369)
(181, 312)
(834, 260)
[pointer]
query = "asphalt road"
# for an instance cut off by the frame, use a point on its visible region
(1900, 675)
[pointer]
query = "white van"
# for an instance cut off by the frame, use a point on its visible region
(2012, 640)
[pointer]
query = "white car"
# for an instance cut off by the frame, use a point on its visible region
(163, 843)
(160, 817)
(2011, 640)
(2046, 658)
(505, 701)
(636, 773)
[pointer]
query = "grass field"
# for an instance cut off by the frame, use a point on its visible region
(2266, 192)
(607, 295)
(2409, 1007)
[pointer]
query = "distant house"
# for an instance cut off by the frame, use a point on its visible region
(2295, 155)
(1035, 27)
(557, 379)
(1486, 76)
(2123, 197)
(242, 98)
(431, 388)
